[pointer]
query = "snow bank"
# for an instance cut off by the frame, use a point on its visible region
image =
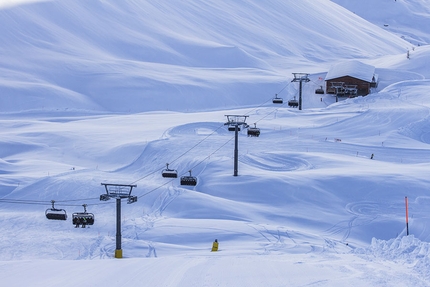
(406, 250)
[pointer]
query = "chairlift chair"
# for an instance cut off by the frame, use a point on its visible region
(189, 180)
(277, 100)
(233, 128)
(55, 213)
(293, 103)
(351, 90)
(254, 132)
(82, 218)
(320, 90)
(171, 173)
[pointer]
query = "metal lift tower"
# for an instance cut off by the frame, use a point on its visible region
(233, 123)
(300, 77)
(118, 191)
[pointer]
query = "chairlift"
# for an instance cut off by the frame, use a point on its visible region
(83, 218)
(55, 213)
(320, 90)
(293, 103)
(189, 180)
(171, 173)
(233, 128)
(351, 90)
(254, 132)
(277, 100)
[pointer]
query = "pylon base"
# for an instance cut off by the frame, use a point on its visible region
(118, 253)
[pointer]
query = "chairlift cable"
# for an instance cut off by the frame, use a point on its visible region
(197, 144)
(13, 201)
(184, 153)
(284, 87)
(34, 202)
(74, 200)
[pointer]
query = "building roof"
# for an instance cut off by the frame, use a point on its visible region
(352, 68)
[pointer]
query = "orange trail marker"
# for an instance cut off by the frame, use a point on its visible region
(407, 216)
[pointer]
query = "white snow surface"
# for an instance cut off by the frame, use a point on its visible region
(351, 68)
(108, 91)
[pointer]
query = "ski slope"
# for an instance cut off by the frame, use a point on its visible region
(97, 91)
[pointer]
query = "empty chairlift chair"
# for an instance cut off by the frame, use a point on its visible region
(351, 90)
(82, 218)
(254, 132)
(189, 180)
(55, 213)
(233, 128)
(277, 100)
(320, 90)
(171, 173)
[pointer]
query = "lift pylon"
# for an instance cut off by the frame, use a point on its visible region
(118, 191)
(235, 121)
(300, 77)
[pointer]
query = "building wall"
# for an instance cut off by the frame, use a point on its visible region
(363, 87)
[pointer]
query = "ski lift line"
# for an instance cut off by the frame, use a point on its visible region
(12, 201)
(269, 100)
(84, 199)
(74, 205)
(316, 84)
(211, 154)
(101, 203)
(154, 189)
(268, 114)
(177, 158)
(21, 202)
(26, 200)
(18, 201)
(197, 144)
(40, 202)
(158, 187)
(34, 202)
(284, 87)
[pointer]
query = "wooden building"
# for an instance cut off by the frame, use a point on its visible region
(351, 78)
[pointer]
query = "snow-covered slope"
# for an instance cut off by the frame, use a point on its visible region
(309, 206)
(118, 56)
(408, 19)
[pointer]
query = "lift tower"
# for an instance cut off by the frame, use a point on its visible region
(300, 77)
(234, 122)
(118, 191)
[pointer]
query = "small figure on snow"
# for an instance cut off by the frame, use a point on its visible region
(215, 246)
(371, 157)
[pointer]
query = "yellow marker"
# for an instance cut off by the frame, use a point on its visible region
(118, 253)
(215, 245)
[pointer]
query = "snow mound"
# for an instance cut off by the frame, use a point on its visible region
(406, 250)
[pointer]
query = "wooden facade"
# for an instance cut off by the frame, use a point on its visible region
(352, 78)
(363, 87)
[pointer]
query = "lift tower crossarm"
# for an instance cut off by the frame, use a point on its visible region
(236, 120)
